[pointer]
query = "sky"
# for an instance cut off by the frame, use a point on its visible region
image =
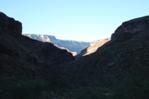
(81, 20)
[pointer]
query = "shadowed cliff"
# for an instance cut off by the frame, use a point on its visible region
(16, 47)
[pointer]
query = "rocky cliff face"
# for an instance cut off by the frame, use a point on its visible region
(10, 24)
(93, 47)
(130, 29)
(12, 43)
(25, 63)
(73, 46)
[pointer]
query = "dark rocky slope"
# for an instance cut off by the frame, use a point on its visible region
(25, 64)
(18, 48)
(130, 29)
(126, 55)
(33, 51)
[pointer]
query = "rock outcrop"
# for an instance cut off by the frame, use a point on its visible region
(10, 24)
(131, 29)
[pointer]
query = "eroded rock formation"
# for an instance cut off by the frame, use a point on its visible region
(10, 24)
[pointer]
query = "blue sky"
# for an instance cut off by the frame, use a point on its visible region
(82, 20)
